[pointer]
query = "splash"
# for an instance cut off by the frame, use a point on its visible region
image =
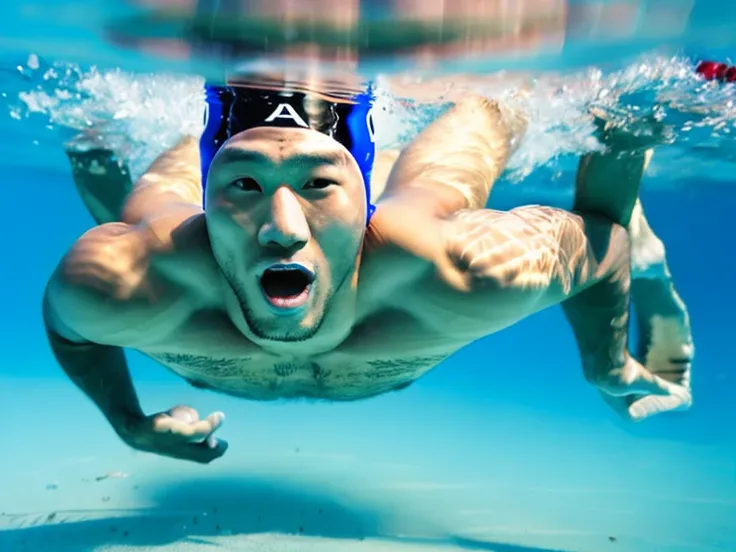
(137, 116)
(694, 114)
(140, 116)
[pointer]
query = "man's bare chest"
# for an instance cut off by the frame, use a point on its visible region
(381, 356)
(336, 376)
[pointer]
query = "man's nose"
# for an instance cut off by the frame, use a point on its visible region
(286, 227)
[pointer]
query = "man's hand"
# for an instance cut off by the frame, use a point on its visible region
(626, 133)
(637, 394)
(178, 433)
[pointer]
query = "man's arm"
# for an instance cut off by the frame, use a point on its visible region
(455, 161)
(79, 309)
(607, 184)
(101, 298)
(99, 371)
(516, 263)
(172, 183)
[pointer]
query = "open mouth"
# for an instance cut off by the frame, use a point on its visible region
(287, 286)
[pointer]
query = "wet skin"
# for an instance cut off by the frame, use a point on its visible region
(278, 290)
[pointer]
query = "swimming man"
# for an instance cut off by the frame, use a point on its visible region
(281, 257)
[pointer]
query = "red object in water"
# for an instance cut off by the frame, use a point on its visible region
(730, 75)
(712, 70)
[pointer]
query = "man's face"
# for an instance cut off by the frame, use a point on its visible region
(286, 214)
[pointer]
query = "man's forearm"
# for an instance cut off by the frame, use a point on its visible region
(455, 160)
(101, 372)
(599, 317)
(173, 178)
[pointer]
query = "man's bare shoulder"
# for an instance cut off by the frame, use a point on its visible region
(486, 268)
(116, 279)
(408, 239)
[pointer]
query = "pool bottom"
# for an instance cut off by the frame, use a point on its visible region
(420, 470)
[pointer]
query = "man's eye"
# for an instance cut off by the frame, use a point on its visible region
(247, 185)
(319, 184)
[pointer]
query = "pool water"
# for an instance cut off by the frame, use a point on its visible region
(504, 447)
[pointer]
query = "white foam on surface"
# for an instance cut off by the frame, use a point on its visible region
(142, 114)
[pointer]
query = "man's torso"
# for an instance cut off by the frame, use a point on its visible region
(403, 331)
(407, 325)
(368, 363)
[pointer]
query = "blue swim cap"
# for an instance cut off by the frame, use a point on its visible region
(233, 109)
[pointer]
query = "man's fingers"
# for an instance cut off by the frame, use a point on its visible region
(215, 420)
(648, 406)
(196, 433)
(637, 408)
(184, 413)
(649, 384)
(203, 453)
(193, 432)
(664, 389)
(173, 426)
(642, 382)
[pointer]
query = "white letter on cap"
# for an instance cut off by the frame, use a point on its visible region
(290, 114)
(371, 125)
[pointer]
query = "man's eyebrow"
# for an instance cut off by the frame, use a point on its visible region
(313, 158)
(235, 155)
(316, 158)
